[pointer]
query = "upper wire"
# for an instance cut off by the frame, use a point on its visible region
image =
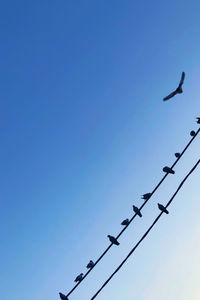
(133, 217)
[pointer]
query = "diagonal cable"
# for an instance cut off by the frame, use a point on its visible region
(121, 232)
(146, 233)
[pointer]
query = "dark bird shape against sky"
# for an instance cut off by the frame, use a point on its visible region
(137, 211)
(177, 154)
(79, 278)
(162, 208)
(113, 240)
(63, 297)
(198, 120)
(179, 89)
(168, 170)
(90, 265)
(125, 222)
(192, 133)
(146, 196)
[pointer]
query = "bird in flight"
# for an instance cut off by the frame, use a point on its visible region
(179, 89)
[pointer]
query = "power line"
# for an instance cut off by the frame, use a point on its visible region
(121, 232)
(146, 233)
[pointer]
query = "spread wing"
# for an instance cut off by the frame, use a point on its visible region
(170, 96)
(182, 80)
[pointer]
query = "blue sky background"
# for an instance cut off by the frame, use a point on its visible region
(84, 132)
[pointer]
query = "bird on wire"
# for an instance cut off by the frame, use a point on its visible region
(162, 208)
(198, 120)
(146, 196)
(63, 297)
(192, 133)
(113, 240)
(90, 265)
(79, 278)
(168, 170)
(137, 211)
(179, 89)
(125, 222)
(177, 154)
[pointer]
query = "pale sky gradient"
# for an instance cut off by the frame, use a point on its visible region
(84, 132)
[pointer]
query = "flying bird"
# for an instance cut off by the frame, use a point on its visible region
(177, 154)
(79, 278)
(63, 297)
(125, 222)
(168, 170)
(137, 211)
(113, 240)
(146, 196)
(192, 133)
(198, 120)
(179, 89)
(162, 208)
(90, 265)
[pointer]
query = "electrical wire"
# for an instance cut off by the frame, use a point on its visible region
(146, 233)
(121, 232)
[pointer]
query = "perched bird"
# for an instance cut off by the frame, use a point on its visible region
(178, 90)
(146, 196)
(63, 297)
(162, 208)
(90, 265)
(137, 211)
(79, 278)
(198, 120)
(192, 133)
(125, 222)
(113, 240)
(177, 154)
(168, 170)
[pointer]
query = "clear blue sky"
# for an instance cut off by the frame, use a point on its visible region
(84, 132)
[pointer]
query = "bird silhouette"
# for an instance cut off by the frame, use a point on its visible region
(146, 196)
(177, 154)
(179, 89)
(63, 297)
(79, 278)
(162, 208)
(113, 240)
(168, 170)
(90, 265)
(125, 222)
(198, 120)
(137, 211)
(192, 133)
